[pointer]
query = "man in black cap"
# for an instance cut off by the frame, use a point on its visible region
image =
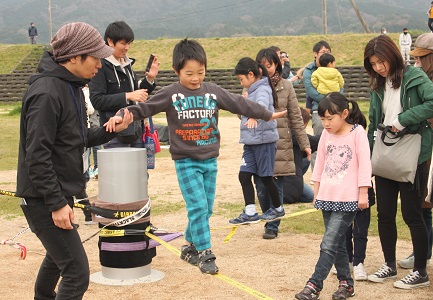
(52, 155)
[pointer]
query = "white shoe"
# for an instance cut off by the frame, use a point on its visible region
(334, 269)
(409, 262)
(359, 272)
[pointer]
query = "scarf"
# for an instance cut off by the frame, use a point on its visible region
(276, 78)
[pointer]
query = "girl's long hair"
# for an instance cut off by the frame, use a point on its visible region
(271, 57)
(336, 103)
(247, 65)
(386, 50)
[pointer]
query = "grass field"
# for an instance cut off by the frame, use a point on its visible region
(224, 53)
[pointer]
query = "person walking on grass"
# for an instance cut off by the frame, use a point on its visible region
(192, 107)
(259, 138)
(341, 177)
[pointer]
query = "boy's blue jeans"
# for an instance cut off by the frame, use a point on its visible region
(333, 248)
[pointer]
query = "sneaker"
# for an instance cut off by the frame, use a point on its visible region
(95, 173)
(89, 222)
(245, 219)
(383, 274)
(310, 292)
(412, 280)
(189, 254)
(272, 215)
(408, 262)
(270, 234)
(206, 262)
(344, 291)
(334, 269)
(359, 272)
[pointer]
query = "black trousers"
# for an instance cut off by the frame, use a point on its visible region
(387, 192)
(359, 231)
(65, 256)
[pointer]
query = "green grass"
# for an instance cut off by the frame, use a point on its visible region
(224, 53)
(9, 137)
(11, 55)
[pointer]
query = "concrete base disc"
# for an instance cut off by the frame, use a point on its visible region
(152, 277)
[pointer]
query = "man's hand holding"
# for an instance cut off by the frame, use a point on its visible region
(117, 123)
(63, 217)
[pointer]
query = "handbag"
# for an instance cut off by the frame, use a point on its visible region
(395, 154)
(151, 143)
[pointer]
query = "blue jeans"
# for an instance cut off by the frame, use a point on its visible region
(333, 248)
(265, 200)
(65, 256)
(307, 194)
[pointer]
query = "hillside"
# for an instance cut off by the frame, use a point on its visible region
(205, 18)
(225, 52)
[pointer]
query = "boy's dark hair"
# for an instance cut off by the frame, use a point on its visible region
(336, 103)
(118, 31)
(188, 50)
(306, 117)
(247, 64)
(271, 56)
(325, 59)
(319, 46)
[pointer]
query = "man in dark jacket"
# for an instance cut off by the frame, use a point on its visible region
(33, 33)
(116, 85)
(52, 155)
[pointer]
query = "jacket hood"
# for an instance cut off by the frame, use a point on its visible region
(49, 68)
(327, 73)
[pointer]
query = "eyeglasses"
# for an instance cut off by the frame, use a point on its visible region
(324, 51)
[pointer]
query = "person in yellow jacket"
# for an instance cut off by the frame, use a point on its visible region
(327, 78)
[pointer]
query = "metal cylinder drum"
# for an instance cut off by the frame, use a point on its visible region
(123, 179)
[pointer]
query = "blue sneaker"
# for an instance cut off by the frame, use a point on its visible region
(245, 219)
(272, 215)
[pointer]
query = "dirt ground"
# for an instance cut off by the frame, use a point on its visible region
(276, 268)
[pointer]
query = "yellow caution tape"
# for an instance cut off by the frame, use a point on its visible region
(233, 228)
(7, 193)
(224, 278)
(242, 287)
(230, 235)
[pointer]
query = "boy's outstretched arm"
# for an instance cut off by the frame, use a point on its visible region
(277, 115)
(118, 123)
